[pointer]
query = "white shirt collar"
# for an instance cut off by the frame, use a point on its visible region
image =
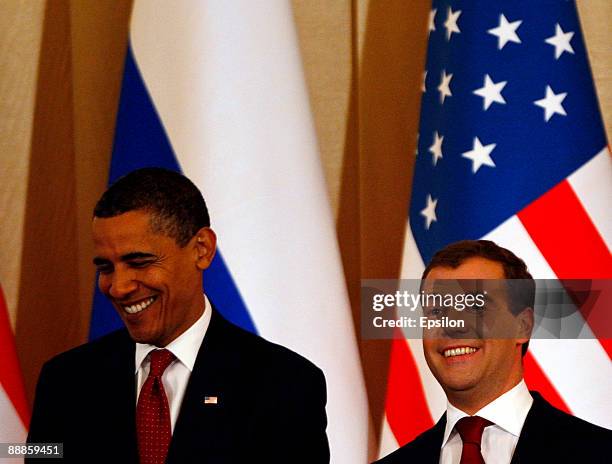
(186, 346)
(507, 411)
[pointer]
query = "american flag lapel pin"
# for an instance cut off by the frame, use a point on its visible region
(211, 400)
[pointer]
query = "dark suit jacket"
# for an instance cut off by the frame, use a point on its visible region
(271, 403)
(549, 435)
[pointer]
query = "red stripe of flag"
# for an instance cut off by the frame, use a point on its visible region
(567, 238)
(10, 373)
(563, 231)
(406, 408)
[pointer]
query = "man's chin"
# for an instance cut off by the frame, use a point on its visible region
(460, 388)
(140, 336)
(457, 384)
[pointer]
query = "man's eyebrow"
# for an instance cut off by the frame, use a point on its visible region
(137, 255)
(127, 257)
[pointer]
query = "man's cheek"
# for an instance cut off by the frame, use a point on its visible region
(429, 351)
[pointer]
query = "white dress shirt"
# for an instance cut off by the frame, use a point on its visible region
(508, 414)
(185, 348)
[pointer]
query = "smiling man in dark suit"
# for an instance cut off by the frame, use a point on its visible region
(491, 416)
(180, 384)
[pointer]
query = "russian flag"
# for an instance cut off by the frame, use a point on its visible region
(215, 89)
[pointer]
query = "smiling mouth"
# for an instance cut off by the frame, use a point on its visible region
(459, 351)
(138, 307)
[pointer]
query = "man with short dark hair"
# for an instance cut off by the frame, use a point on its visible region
(179, 384)
(491, 416)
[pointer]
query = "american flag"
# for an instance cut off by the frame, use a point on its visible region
(511, 148)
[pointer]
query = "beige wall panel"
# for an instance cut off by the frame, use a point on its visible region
(390, 69)
(20, 33)
(595, 17)
(48, 293)
(360, 23)
(81, 63)
(99, 32)
(325, 35)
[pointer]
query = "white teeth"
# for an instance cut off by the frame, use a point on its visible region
(459, 351)
(136, 308)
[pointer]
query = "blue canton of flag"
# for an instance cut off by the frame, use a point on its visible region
(508, 111)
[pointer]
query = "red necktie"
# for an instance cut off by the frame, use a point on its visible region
(153, 412)
(470, 429)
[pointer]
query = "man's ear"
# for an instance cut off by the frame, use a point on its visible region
(205, 246)
(524, 325)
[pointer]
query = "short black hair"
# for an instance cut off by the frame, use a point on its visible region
(522, 295)
(177, 207)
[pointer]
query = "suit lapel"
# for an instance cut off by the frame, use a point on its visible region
(424, 449)
(203, 426)
(536, 426)
(434, 443)
(119, 390)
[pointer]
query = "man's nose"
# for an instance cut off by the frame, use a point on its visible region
(463, 326)
(122, 284)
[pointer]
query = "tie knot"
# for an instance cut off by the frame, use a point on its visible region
(470, 429)
(160, 360)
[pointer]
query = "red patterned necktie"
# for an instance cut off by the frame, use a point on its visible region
(470, 429)
(153, 412)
